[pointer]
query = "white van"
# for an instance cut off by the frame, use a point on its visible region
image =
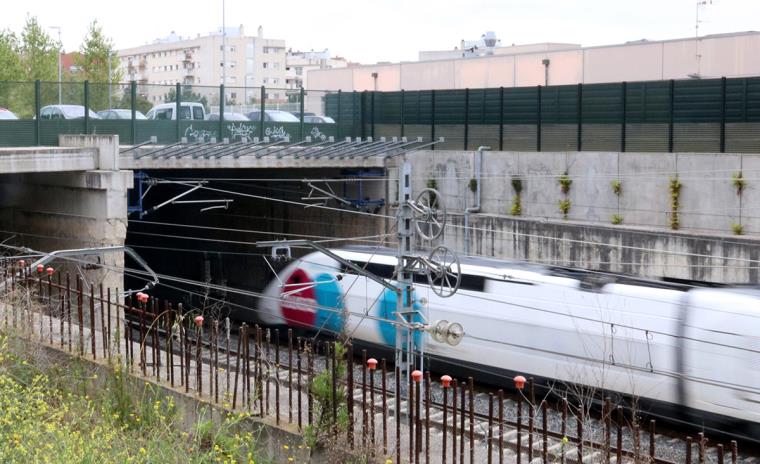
(187, 110)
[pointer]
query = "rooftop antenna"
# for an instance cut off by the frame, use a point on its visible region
(700, 3)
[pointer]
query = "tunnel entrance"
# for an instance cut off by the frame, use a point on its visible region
(206, 257)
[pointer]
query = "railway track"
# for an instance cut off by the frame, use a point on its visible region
(271, 379)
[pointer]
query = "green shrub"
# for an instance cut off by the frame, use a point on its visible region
(617, 219)
(737, 228)
(564, 207)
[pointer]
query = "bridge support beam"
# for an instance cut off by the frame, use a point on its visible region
(66, 210)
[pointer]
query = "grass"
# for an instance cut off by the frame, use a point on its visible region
(48, 416)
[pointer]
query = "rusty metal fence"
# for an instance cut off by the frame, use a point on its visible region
(369, 411)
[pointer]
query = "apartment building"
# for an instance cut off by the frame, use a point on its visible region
(247, 63)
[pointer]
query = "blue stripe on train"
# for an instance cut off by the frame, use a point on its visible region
(330, 316)
(387, 310)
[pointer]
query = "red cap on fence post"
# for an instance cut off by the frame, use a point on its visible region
(40, 268)
(50, 271)
(142, 297)
(198, 320)
(417, 376)
(519, 382)
(446, 381)
(372, 363)
(21, 262)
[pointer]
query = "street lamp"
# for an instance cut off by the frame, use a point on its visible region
(60, 52)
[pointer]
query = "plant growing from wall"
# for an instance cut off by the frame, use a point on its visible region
(737, 228)
(737, 180)
(517, 186)
(675, 202)
(473, 185)
(564, 185)
(617, 187)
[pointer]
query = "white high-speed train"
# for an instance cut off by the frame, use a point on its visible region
(697, 348)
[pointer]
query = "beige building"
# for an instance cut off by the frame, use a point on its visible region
(729, 55)
(299, 64)
(249, 62)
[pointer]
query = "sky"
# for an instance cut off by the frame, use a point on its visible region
(391, 30)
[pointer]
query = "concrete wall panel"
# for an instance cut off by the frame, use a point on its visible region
(709, 202)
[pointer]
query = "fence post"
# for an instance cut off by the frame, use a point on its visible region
(624, 115)
(300, 126)
(466, 117)
(538, 118)
(501, 118)
(355, 113)
(363, 104)
(579, 110)
(178, 101)
(670, 123)
(86, 106)
(37, 98)
(723, 114)
(263, 111)
(432, 118)
(221, 111)
(133, 108)
(402, 111)
(338, 120)
(372, 116)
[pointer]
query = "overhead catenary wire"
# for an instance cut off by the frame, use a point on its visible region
(290, 202)
(380, 319)
(229, 289)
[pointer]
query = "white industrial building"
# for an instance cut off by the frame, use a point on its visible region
(712, 56)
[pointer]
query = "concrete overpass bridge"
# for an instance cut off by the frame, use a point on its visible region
(77, 195)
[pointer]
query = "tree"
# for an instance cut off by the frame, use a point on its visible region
(99, 64)
(39, 52)
(141, 103)
(187, 96)
(10, 70)
(10, 60)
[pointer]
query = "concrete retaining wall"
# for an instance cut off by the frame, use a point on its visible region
(708, 200)
(703, 249)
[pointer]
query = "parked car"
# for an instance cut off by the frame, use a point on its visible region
(120, 114)
(272, 116)
(228, 117)
(188, 110)
(7, 114)
(66, 112)
(318, 120)
(298, 114)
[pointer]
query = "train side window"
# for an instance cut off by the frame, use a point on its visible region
(385, 271)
